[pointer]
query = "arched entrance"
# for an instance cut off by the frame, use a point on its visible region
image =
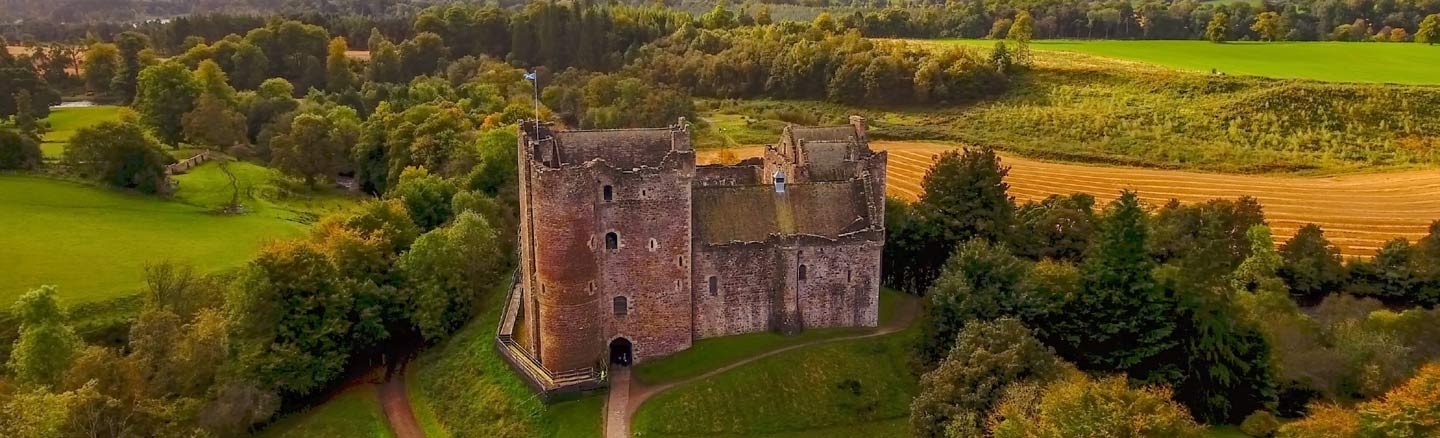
(620, 352)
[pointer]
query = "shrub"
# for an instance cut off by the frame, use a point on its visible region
(1260, 424)
(1080, 406)
(1325, 421)
(986, 358)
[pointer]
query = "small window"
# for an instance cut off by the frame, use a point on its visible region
(622, 306)
(654, 245)
(714, 285)
(609, 193)
(802, 272)
(612, 240)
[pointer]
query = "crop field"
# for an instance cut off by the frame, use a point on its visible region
(65, 121)
(1358, 212)
(1398, 63)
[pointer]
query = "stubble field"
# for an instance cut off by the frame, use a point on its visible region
(1358, 212)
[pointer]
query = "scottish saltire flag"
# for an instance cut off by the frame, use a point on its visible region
(530, 75)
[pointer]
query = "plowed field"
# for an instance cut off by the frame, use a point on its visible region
(1358, 212)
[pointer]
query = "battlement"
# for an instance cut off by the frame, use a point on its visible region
(621, 148)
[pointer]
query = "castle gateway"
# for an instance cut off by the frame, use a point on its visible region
(629, 251)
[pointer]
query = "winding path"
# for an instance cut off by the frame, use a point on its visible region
(395, 399)
(627, 394)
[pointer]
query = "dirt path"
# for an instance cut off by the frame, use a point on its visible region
(395, 399)
(1358, 212)
(638, 392)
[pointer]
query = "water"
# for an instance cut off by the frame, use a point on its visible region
(75, 104)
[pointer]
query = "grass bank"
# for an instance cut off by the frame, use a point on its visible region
(471, 392)
(63, 122)
(353, 413)
(1397, 63)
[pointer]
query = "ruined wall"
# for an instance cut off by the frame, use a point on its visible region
(748, 278)
(650, 214)
(841, 284)
(715, 175)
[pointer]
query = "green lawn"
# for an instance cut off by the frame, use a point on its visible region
(709, 354)
(65, 121)
(262, 190)
(846, 388)
(1400, 63)
(469, 391)
(93, 243)
(353, 413)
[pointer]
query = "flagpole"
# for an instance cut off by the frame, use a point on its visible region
(535, 81)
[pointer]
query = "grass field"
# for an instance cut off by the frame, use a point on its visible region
(1398, 63)
(469, 391)
(708, 354)
(94, 243)
(262, 191)
(846, 388)
(353, 413)
(65, 121)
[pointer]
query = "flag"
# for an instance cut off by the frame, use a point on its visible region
(530, 75)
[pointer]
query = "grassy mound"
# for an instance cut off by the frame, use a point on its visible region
(471, 392)
(831, 389)
(353, 413)
(94, 243)
(1398, 63)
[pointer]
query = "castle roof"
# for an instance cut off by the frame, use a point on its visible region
(724, 214)
(822, 133)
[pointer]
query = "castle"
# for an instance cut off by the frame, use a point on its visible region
(629, 251)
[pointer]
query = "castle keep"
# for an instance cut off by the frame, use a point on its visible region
(630, 251)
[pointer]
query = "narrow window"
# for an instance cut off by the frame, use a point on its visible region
(622, 306)
(609, 193)
(612, 240)
(654, 245)
(714, 285)
(802, 272)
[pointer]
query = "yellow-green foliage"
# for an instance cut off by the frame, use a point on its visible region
(1260, 424)
(1080, 406)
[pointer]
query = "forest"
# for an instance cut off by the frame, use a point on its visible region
(1176, 314)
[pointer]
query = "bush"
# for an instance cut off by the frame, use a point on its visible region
(1325, 421)
(1260, 424)
(120, 154)
(986, 358)
(18, 150)
(1080, 406)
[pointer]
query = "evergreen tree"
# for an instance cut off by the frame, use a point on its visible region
(1121, 317)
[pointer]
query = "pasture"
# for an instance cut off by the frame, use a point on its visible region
(63, 122)
(1397, 63)
(94, 243)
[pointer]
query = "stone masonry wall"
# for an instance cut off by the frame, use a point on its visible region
(841, 284)
(562, 215)
(650, 214)
(747, 278)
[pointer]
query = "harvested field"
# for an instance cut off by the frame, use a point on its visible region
(1358, 212)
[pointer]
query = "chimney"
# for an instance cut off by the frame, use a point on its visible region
(860, 127)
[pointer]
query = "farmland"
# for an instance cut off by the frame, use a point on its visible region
(1358, 212)
(1398, 63)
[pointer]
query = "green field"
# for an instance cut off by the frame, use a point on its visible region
(353, 413)
(64, 122)
(842, 388)
(1398, 63)
(94, 243)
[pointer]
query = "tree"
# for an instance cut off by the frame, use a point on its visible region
(980, 282)
(423, 54)
(1020, 33)
(120, 154)
(25, 114)
(385, 64)
(1121, 317)
(721, 18)
(14, 80)
(986, 358)
(288, 314)
(46, 345)
(213, 124)
(165, 93)
(134, 56)
(965, 197)
(1079, 406)
(446, 270)
(1218, 30)
(251, 66)
(1410, 410)
(18, 151)
(214, 82)
(1311, 265)
(1269, 26)
(317, 145)
(101, 64)
(427, 197)
(1429, 32)
(338, 76)
(1058, 227)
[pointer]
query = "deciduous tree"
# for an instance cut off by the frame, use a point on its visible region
(1218, 30)
(1429, 32)
(166, 92)
(986, 357)
(120, 154)
(46, 345)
